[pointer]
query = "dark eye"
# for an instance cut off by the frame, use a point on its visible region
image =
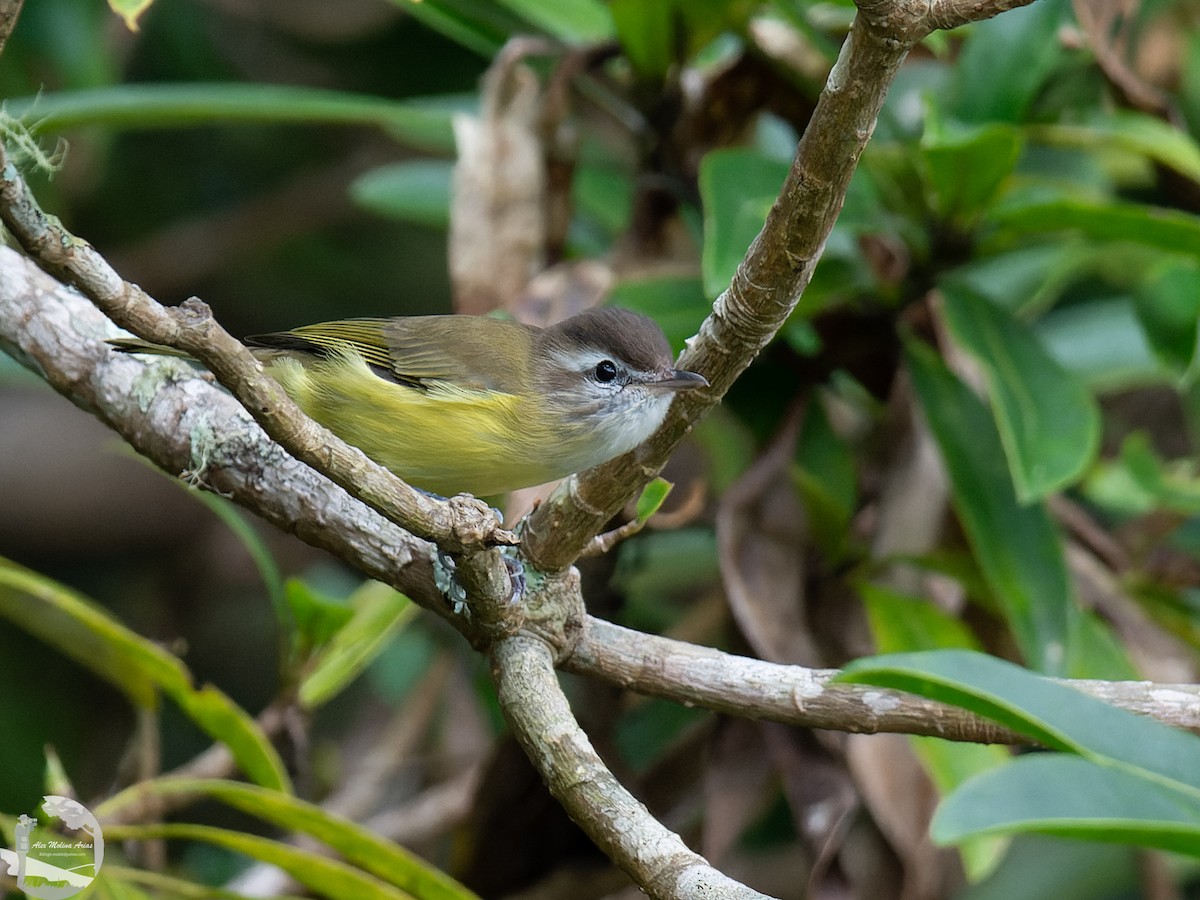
(606, 371)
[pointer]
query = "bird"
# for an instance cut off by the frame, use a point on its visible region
(475, 404)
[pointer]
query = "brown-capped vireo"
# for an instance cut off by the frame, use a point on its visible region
(471, 404)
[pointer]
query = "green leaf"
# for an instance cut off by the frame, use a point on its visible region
(1102, 343)
(1050, 712)
(378, 613)
(657, 35)
(328, 877)
(1131, 132)
(605, 194)
(318, 617)
(354, 843)
(1025, 279)
(1168, 306)
(134, 665)
(952, 764)
(825, 475)
(1174, 488)
(647, 35)
(478, 25)
(423, 123)
(964, 167)
(1017, 546)
(652, 498)
(737, 188)
(1066, 796)
(573, 21)
(1006, 62)
(416, 191)
(169, 886)
(900, 622)
(1049, 422)
(1166, 229)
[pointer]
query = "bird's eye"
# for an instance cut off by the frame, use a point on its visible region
(606, 371)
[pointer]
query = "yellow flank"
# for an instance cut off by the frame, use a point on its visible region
(446, 439)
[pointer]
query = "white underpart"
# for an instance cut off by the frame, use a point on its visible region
(626, 414)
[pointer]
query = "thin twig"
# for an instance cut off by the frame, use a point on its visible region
(655, 857)
(794, 695)
(10, 11)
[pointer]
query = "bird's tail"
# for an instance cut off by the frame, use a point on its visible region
(137, 345)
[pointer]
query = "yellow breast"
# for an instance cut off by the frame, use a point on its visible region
(443, 439)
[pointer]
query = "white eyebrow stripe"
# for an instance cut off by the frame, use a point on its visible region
(585, 359)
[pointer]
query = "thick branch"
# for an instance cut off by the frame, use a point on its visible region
(620, 825)
(459, 525)
(183, 423)
(794, 695)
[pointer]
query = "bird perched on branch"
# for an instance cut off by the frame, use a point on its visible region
(472, 404)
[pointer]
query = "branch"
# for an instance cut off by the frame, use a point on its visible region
(775, 270)
(9, 11)
(459, 525)
(740, 686)
(178, 419)
(619, 824)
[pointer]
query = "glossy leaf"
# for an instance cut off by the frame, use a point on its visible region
(1049, 422)
(652, 498)
(137, 667)
(1169, 230)
(965, 167)
(1066, 796)
(378, 612)
(354, 843)
(655, 36)
(901, 623)
(423, 123)
(1132, 132)
(478, 25)
(1170, 487)
(1006, 62)
(165, 885)
(1168, 307)
(415, 191)
(1052, 713)
(737, 188)
(647, 35)
(1102, 343)
(328, 877)
(575, 21)
(1017, 546)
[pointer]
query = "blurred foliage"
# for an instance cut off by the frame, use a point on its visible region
(986, 401)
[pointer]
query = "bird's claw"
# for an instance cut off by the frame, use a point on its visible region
(446, 579)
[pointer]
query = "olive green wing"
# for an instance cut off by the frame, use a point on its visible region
(467, 352)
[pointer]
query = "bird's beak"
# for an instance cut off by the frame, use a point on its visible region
(679, 380)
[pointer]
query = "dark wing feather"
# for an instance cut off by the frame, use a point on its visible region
(472, 352)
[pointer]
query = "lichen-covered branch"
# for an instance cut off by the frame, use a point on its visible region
(741, 686)
(459, 525)
(185, 424)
